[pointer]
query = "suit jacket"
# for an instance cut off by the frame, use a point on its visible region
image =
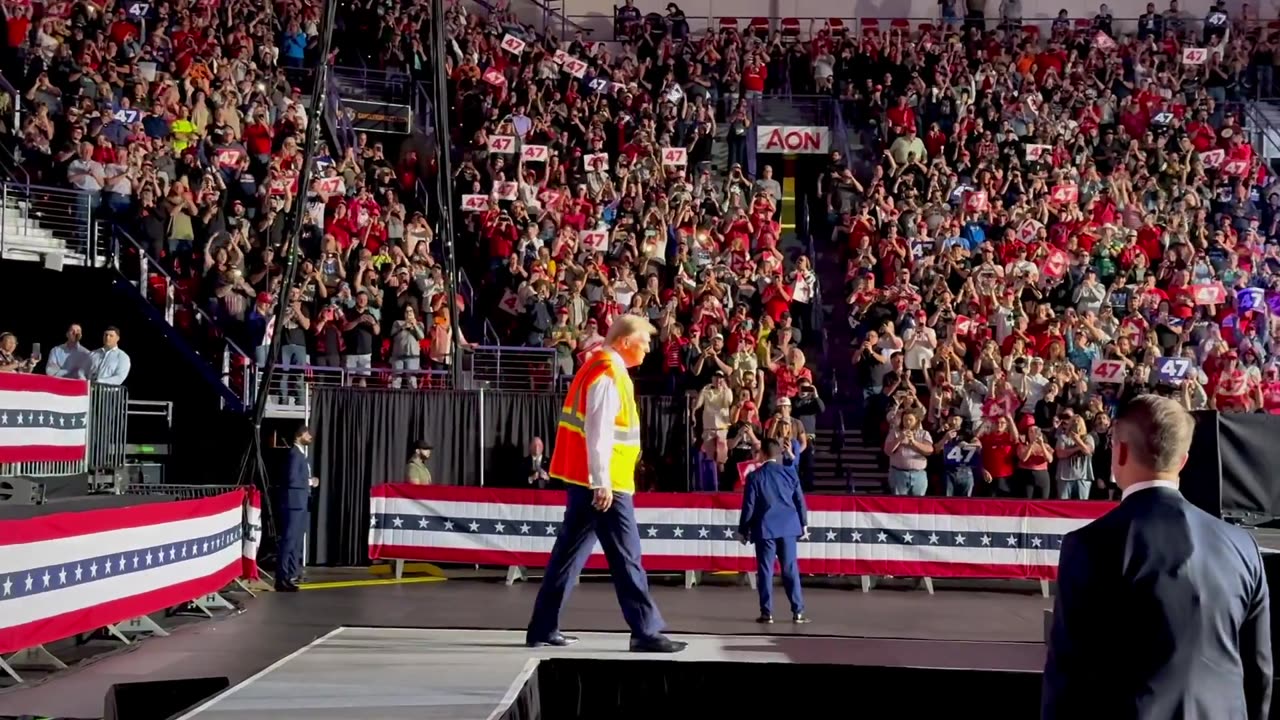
(297, 487)
(1162, 613)
(529, 467)
(772, 503)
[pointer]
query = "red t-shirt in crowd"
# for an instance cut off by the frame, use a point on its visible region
(997, 454)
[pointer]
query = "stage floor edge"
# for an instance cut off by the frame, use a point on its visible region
(445, 674)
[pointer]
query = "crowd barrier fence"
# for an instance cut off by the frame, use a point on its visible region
(71, 573)
(105, 426)
(693, 533)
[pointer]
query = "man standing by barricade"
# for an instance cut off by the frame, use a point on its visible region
(773, 518)
(596, 450)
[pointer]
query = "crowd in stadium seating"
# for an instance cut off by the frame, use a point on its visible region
(1057, 223)
(1037, 221)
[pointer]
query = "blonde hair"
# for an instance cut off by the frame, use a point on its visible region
(1156, 430)
(628, 325)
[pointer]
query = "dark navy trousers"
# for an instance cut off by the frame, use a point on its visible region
(784, 549)
(620, 539)
(293, 532)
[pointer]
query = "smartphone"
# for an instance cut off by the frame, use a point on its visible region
(35, 352)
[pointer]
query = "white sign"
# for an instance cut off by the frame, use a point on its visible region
(793, 139)
(1194, 56)
(575, 67)
(596, 162)
(1212, 158)
(534, 153)
(1107, 371)
(1035, 152)
(505, 190)
(502, 144)
(513, 44)
(475, 203)
(332, 185)
(594, 240)
(675, 156)
(561, 57)
(1028, 230)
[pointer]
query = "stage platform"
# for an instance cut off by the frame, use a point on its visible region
(408, 674)
(889, 626)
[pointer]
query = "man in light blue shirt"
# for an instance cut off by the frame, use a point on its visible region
(110, 364)
(70, 359)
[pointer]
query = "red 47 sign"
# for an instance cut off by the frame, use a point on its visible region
(561, 57)
(1194, 56)
(1055, 264)
(1236, 167)
(1107, 371)
(575, 67)
(534, 153)
(976, 201)
(1208, 294)
(505, 190)
(675, 156)
(494, 78)
(549, 198)
(513, 44)
(1064, 194)
(596, 162)
(963, 325)
(475, 203)
(502, 144)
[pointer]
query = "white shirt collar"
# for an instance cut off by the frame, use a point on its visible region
(1140, 486)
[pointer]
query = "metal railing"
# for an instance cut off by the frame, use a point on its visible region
(156, 285)
(513, 368)
(292, 386)
(107, 426)
(714, 15)
(181, 492)
(39, 221)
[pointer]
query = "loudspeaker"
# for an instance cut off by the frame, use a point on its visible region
(159, 699)
(20, 491)
(1227, 468)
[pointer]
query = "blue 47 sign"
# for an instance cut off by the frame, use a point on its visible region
(1172, 369)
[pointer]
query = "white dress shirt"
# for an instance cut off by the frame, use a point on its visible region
(1138, 486)
(110, 367)
(69, 361)
(603, 404)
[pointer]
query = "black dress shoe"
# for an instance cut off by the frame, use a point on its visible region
(659, 644)
(553, 640)
(286, 587)
(765, 619)
(800, 619)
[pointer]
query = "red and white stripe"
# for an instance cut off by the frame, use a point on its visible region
(30, 442)
(715, 552)
(67, 539)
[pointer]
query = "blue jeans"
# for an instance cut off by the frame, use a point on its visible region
(960, 482)
(405, 363)
(293, 356)
(1074, 489)
(908, 482)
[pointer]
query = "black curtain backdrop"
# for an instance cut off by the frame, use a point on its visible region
(1230, 469)
(511, 421)
(362, 439)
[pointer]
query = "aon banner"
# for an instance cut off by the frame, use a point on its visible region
(793, 139)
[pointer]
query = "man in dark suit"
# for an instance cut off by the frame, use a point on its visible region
(773, 517)
(537, 465)
(1162, 609)
(295, 517)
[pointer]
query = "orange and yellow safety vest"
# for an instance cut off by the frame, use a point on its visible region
(569, 457)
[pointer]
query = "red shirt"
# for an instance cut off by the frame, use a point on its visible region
(753, 78)
(997, 454)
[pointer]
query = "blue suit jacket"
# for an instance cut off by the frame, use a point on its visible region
(772, 504)
(1162, 613)
(297, 488)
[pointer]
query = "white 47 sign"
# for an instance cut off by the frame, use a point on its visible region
(513, 44)
(1107, 371)
(675, 156)
(1194, 56)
